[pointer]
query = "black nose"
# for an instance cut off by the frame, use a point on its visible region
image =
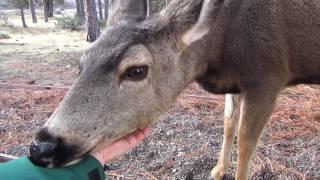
(49, 150)
(43, 148)
(41, 152)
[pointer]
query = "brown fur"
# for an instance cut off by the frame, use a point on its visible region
(249, 48)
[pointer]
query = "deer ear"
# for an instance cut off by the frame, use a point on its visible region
(196, 33)
(127, 11)
(181, 15)
(201, 28)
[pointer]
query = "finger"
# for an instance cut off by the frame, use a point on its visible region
(141, 134)
(121, 146)
(146, 131)
(136, 137)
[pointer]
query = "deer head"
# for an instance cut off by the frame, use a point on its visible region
(129, 76)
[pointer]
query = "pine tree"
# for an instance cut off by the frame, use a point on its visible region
(21, 4)
(92, 21)
(33, 12)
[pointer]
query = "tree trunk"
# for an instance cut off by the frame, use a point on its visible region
(23, 18)
(78, 5)
(148, 8)
(33, 12)
(127, 11)
(106, 9)
(109, 11)
(92, 21)
(45, 9)
(80, 10)
(100, 9)
(50, 8)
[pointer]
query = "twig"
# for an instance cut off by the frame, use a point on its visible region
(203, 97)
(148, 174)
(29, 87)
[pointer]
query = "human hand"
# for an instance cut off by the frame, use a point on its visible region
(120, 147)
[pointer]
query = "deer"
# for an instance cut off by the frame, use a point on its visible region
(249, 50)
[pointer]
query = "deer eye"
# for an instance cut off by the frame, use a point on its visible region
(136, 73)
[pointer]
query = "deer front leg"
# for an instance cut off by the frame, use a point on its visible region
(256, 107)
(231, 119)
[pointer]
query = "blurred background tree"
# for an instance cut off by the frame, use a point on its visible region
(80, 9)
(100, 10)
(48, 8)
(21, 4)
(106, 9)
(33, 12)
(93, 28)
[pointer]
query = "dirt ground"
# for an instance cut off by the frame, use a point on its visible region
(185, 142)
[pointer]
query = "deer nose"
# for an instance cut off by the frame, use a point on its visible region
(41, 152)
(51, 150)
